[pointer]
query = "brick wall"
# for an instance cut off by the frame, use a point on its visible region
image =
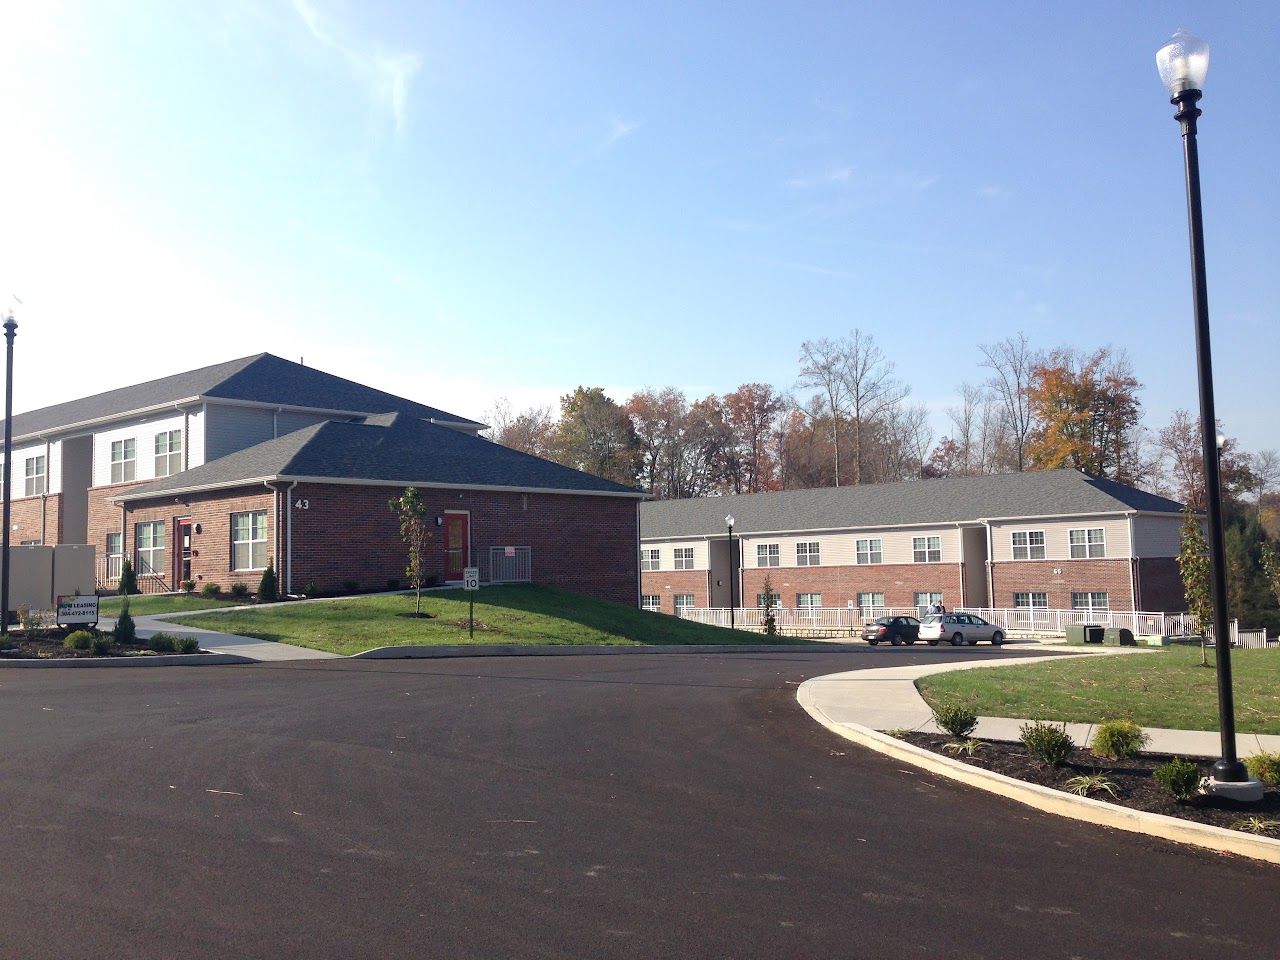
(899, 583)
(582, 543)
(1160, 585)
(36, 518)
(667, 583)
(104, 516)
(1077, 575)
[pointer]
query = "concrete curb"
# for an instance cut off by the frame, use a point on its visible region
(566, 650)
(161, 660)
(1047, 799)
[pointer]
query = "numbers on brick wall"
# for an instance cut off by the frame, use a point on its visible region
(302, 504)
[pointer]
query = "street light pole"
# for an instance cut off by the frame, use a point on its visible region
(1183, 63)
(10, 328)
(733, 569)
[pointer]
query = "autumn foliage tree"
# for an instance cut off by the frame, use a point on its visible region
(595, 435)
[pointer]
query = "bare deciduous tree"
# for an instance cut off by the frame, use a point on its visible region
(1011, 361)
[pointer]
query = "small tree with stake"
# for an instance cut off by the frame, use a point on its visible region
(770, 621)
(1193, 561)
(414, 530)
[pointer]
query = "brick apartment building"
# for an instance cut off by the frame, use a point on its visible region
(208, 475)
(1048, 539)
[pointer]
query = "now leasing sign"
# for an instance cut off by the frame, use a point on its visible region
(77, 609)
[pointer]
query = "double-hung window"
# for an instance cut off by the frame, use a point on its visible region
(684, 558)
(807, 554)
(869, 603)
(767, 555)
(869, 551)
(649, 559)
(1028, 545)
(1088, 543)
(168, 453)
(926, 549)
(36, 476)
(770, 599)
(684, 601)
(124, 461)
(809, 601)
(150, 538)
(925, 599)
(115, 555)
(249, 540)
(1093, 601)
(1031, 601)
(651, 601)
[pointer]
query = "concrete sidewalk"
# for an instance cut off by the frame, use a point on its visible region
(215, 642)
(886, 698)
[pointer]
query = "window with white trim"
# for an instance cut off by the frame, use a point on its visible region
(1028, 544)
(869, 551)
(807, 554)
(926, 549)
(809, 601)
(775, 599)
(649, 560)
(37, 479)
(115, 555)
(168, 453)
(869, 603)
(1088, 543)
(767, 555)
(124, 461)
(150, 540)
(1093, 601)
(925, 599)
(1031, 601)
(249, 540)
(684, 601)
(651, 601)
(683, 558)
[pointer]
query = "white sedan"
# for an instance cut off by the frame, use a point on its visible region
(959, 628)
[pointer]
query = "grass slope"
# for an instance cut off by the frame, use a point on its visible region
(140, 606)
(1166, 688)
(504, 615)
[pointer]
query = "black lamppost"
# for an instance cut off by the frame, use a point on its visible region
(733, 569)
(1183, 63)
(10, 328)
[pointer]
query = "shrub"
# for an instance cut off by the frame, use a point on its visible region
(101, 645)
(268, 586)
(1086, 784)
(162, 642)
(1118, 739)
(185, 644)
(79, 640)
(128, 579)
(189, 586)
(969, 747)
(1265, 766)
(1179, 777)
(957, 720)
(1048, 742)
(210, 590)
(350, 586)
(393, 584)
(310, 589)
(1258, 825)
(239, 590)
(125, 632)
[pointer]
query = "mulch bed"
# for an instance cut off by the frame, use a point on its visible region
(1134, 785)
(21, 647)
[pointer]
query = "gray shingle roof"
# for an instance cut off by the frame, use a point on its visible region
(264, 378)
(954, 500)
(397, 448)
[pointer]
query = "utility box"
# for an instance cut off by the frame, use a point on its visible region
(1075, 633)
(1119, 637)
(1094, 633)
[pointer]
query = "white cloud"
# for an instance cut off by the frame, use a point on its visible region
(619, 129)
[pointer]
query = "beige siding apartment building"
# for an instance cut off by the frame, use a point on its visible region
(1050, 539)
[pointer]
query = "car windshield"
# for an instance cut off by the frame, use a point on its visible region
(885, 621)
(932, 618)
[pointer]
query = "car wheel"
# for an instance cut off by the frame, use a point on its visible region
(910, 641)
(897, 641)
(932, 643)
(957, 640)
(997, 638)
(873, 642)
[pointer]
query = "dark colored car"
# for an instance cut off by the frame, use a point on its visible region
(895, 630)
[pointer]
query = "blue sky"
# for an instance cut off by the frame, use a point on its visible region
(479, 200)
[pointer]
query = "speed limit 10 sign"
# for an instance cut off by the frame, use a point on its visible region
(471, 578)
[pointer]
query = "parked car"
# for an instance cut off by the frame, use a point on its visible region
(959, 628)
(896, 630)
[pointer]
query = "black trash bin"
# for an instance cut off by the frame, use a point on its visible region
(1093, 633)
(1119, 637)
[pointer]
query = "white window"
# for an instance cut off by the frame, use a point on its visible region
(649, 560)
(809, 600)
(870, 551)
(115, 555)
(1093, 601)
(249, 540)
(35, 476)
(168, 453)
(1090, 542)
(926, 549)
(774, 599)
(684, 558)
(651, 601)
(869, 603)
(767, 555)
(1031, 601)
(684, 601)
(124, 461)
(150, 539)
(925, 599)
(807, 554)
(1028, 545)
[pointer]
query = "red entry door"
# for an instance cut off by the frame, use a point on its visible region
(182, 555)
(457, 544)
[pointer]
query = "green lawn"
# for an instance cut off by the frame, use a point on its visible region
(504, 615)
(1165, 688)
(141, 606)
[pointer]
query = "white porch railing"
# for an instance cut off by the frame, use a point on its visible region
(837, 620)
(1055, 622)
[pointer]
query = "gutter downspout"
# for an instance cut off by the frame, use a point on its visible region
(288, 557)
(1133, 569)
(991, 568)
(639, 578)
(964, 594)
